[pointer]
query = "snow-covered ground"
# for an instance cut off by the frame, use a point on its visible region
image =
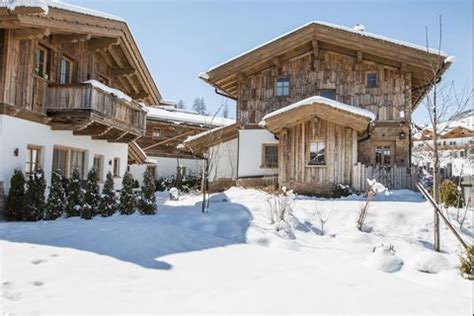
(233, 260)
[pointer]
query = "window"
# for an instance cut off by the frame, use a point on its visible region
(452, 143)
(329, 94)
(42, 62)
(65, 75)
(99, 166)
(60, 159)
(151, 169)
(317, 153)
(270, 156)
(65, 160)
(383, 155)
(33, 159)
(282, 87)
(156, 133)
(116, 167)
(371, 80)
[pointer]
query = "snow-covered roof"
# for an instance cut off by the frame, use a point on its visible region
(361, 33)
(321, 100)
(205, 133)
(46, 4)
(183, 117)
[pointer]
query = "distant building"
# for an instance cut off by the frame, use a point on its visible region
(456, 143)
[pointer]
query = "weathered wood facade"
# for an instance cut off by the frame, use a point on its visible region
(386, 77)
(46, 58)
(341, 153)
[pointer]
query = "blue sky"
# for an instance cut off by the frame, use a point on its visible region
(179, 39)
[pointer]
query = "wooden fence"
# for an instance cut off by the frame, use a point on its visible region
(394, 178)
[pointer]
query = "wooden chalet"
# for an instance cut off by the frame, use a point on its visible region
(73, 85)
(315, 147)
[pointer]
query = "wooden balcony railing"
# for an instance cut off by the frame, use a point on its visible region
(88, 110)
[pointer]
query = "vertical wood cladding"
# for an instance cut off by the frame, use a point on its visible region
(390, 100)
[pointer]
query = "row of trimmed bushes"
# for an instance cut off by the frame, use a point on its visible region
(27, 201)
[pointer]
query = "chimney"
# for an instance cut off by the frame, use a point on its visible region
(359, 27)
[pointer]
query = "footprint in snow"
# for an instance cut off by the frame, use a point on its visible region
(54, 255)
(38, 261)
(12, 296)
(6, 285)
(38, 283)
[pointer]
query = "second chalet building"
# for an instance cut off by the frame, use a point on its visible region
(73, 85)
(319, 106)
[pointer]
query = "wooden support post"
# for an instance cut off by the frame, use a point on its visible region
(437, 246)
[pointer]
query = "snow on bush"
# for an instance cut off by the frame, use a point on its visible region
(174, 194)
(430, 262)
(383, 258)
(280, 207)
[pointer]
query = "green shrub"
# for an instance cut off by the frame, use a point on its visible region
(185, 184)
(127, 197)
(35, 197)
(91, 196)
(56, 198)
(147, 201)
(467, 263)
(15, 206)
(449, 194)
(341, 190)
(75, 196)
(108, 200)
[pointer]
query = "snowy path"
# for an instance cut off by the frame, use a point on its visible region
(183, 261)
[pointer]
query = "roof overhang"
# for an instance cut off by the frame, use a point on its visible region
(200, 143)
(336, 112)
(394, 54)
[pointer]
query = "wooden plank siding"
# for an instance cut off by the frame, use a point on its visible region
(294, 170)
(346, 76)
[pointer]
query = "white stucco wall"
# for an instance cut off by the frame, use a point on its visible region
(250, 152)
(166, 167)
(19, 133)
(223, 161)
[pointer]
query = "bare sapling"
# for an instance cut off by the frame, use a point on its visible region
(323, 216)
(373, 189)
(280, 208)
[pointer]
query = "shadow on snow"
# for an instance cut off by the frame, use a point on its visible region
(141, 239)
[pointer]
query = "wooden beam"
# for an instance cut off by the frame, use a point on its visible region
(31, 34)
(140, 95)
(98, 44)
(360, 56)
(123, 71)
(169, 140)
(72, 38)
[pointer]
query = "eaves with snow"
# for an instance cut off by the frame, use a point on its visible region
(184, 117)
(413, 58)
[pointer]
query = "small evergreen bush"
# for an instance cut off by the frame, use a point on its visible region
(147, 201)
(56, 198)
(341, 190)
(185, 184)
(467, 263)
(91, 196)
(108, 201)
(449, 194)
(127, 198)
(75, 196)
(35, 197)
(15, 204)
